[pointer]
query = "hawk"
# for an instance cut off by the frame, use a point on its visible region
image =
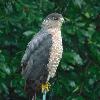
(43, 53)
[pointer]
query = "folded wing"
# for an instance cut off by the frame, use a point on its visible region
(36, 57)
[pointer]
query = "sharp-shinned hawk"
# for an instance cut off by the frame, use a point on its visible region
(43, 53)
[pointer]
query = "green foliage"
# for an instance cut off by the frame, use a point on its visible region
(78, 76)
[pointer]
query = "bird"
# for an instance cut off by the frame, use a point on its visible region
(43, 54)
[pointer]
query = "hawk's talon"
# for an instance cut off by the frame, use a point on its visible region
(45, 87)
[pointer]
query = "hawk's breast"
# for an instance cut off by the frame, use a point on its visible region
(56, 52)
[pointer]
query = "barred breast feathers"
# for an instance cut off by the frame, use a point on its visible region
(55, 52)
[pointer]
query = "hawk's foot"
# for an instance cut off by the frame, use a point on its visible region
(45, 87)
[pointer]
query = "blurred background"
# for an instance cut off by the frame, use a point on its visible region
(78, 75)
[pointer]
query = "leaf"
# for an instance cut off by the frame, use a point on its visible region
(76, 89)
(28, 33)
(91, 81)
(4, 88)
(87, 15)
(72, 83)
(78, 59)
(2, 58)
(78, 2)
(72, 57)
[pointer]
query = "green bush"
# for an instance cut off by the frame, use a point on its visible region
(78, 75)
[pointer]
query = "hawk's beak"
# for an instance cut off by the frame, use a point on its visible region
(62, 19)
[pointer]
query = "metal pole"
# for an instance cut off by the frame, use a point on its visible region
(44, 95)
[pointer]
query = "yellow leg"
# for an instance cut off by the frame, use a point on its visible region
(45, 87)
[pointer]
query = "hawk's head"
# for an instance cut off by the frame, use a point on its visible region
(53, 20)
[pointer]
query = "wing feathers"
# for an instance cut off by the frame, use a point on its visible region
(36, 57)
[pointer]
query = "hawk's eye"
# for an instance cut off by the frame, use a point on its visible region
(54, 18)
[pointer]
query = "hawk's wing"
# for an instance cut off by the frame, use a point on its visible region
(36, 57)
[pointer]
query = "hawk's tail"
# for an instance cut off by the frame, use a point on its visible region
(34, 96)
(30, 90)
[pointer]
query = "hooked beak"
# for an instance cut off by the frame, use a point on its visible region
(62, 19)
